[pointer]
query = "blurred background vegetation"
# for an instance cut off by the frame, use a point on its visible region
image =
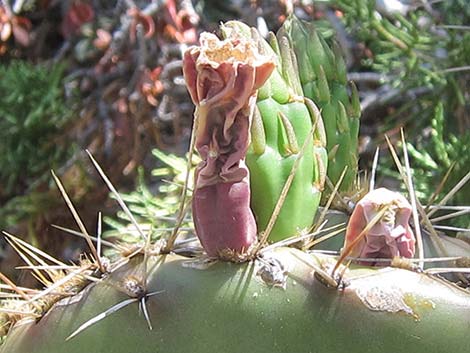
(106, 76)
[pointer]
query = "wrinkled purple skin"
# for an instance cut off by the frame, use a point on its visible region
(222, 79)
(390, 237)
(230, 224)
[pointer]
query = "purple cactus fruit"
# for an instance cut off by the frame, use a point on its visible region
(391, 236)
(223, 77)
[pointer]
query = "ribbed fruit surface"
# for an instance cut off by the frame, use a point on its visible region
(282, 122)
(323, 78)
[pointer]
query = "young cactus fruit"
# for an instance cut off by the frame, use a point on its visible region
(378, 227)
(222, 78)
(283, 122)
(322, 72)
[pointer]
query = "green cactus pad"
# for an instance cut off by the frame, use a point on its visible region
(234, 308)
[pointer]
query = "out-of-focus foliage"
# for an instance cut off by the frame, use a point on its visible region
(116, 89)
(33, 118)
(443, 151)
(417, 51)
(423, 52)
(155, 210)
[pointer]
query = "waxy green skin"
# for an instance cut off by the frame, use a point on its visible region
(270, 170)
(281, 124)
(323, 78)
(228, 308)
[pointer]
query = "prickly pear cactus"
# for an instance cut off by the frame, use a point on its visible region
(153, 299)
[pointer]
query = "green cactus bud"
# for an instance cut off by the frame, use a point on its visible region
(342, 121)
(288, 136)
(323, 87)
(258, 137)
(341, 70)
(340, 110)
(287, 120)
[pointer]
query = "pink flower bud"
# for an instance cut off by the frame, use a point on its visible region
(390, 236)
